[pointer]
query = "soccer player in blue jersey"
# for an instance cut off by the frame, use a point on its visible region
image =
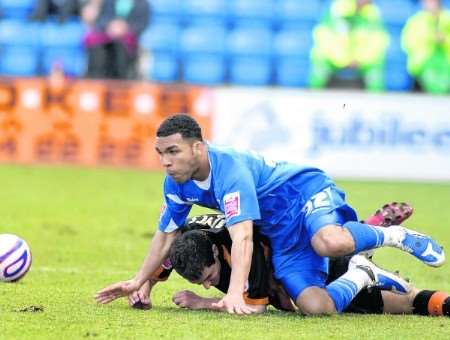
(201, 254)
(298, 208)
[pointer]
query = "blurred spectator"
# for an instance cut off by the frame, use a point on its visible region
(61, 9)
(350, 36)
(112, 43)
(89, 12)
(426, 40)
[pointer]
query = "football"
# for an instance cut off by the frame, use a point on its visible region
(15, 258)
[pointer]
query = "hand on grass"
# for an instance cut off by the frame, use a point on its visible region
(116, 290)
(234, 304)
(140, 299)
(188, 299)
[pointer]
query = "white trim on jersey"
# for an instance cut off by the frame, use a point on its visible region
(206, 184)
(171, 226)
(177, 200)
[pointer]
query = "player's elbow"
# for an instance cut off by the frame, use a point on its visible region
(242, 231)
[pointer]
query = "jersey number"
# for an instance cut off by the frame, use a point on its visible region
(318, 201)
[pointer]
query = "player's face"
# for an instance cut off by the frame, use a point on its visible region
(210, 276)
(179, 157)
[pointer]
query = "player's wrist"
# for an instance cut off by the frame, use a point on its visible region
(235, 291)
(202, 303)
(139, 280)
(235, 295)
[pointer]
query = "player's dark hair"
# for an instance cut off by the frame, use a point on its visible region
(180, 123)
(191, 253)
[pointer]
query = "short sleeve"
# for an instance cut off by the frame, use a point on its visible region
(174, 211)
(237, 192)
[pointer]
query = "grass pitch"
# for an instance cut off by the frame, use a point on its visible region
(88, 228)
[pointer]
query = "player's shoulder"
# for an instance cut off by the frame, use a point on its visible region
(223, 159)
(223, 153)
(233, 153)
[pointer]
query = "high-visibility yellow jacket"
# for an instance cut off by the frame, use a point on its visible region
(419, 38)
(347, 35)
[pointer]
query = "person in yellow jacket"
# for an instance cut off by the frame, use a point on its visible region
(426, 41)
(351, 35)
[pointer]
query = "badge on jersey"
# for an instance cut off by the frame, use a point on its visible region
(232, 204)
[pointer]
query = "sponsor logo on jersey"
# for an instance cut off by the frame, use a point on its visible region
(213, 221)
(232, 204)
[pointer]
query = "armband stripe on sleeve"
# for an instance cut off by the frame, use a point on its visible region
(258, 301)
(161, 274)
(226, 255)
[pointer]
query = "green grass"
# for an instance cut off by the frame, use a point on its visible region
(88, 228)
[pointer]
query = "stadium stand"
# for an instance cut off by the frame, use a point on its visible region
(202, 48)
(57, 10)
(291, 48)
(243, 42)
(202, 12)
(250, 55)
(161, 38)
(396, 75)
(249, 12)
(302, 13)
(166, 9)
(16, 9)
(67, 52)
(396, 12)
(19, 44)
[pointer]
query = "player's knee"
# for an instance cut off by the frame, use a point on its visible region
(315, 301)
(316, 309)
(332, 240)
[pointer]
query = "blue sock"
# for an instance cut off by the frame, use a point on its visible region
(342, 292)
(344, 289)
(365, 236)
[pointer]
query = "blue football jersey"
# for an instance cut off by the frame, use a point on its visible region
(244, 186)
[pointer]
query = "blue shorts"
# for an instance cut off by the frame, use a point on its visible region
(298, 266)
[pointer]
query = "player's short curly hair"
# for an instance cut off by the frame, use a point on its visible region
(191, 253)
(180, 123)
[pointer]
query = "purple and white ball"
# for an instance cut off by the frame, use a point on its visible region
(15, 258)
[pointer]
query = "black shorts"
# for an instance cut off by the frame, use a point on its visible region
(366, 302)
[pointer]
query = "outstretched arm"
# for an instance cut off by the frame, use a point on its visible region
(158, 252)
(190, 300)
(140, 299)
(241, 259)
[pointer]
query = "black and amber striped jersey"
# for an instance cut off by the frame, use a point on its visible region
(261, 288)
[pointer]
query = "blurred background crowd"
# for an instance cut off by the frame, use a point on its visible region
(380, 45)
